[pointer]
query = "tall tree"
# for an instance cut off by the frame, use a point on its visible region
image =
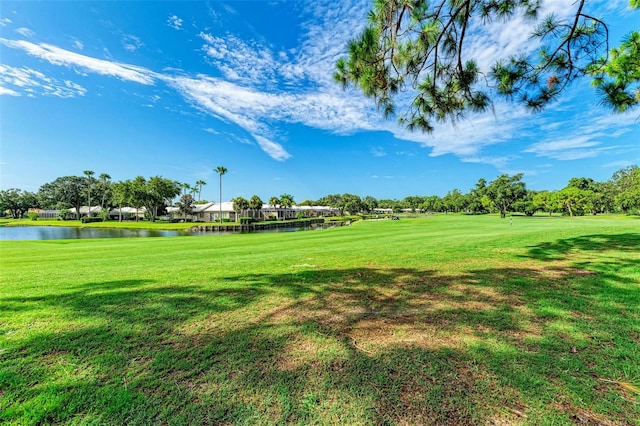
(575, 200)
(221, 170)
(424, 49)
(121, 195)
(370, 203)
(547, 201)
(274, 202)
(104, 187)
(89, 174)
(351, 203)
(153, 193)
(255, 204)
(199, 184)
(504, 191)
(454, 201)
(475, 197)
(185, 205)
(240, 204)
(17, 202)
(627, 184)
(286, 200)
(68, 190)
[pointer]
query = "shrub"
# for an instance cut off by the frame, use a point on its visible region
(244, 220)
(63, 214)
(103, 214)
(33, 215)
(87, 219)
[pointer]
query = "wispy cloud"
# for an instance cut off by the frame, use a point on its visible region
(131, 43)
(25, 32)
(619, 164)
(78, 44)
(573, 148)
(583, 134)
(8, 92)
(4, 21)
(174, 22)
(32, 82)
(58, 56)
(240, 61)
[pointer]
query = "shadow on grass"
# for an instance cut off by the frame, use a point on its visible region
(561, 248)
(352, 346)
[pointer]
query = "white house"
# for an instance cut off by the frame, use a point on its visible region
(211, 212)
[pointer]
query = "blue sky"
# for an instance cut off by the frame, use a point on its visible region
(178, 88)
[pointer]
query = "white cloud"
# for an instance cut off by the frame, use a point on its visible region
(273, 149)
(583, 134)
(26, 32)
(58, 56)
(131, 43)
(32, 82)
(233, 104)
(9, 92)
(175, 22)
(619, 164)
(252, 63)
(4, 21)
(78, 44)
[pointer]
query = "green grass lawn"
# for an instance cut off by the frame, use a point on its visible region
(446, 320)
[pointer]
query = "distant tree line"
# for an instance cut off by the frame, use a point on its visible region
(503, 195)
(507, 194)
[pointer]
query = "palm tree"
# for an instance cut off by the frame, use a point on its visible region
(185, 188)
(200, 184)
(240, 204)
(273, 202)
(255, 204)
(286, 201)
(221, 170)
(104, 178)
(89, 174)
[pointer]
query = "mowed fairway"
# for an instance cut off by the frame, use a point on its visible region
(446, 320)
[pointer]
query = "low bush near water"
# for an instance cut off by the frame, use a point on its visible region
(87, 219)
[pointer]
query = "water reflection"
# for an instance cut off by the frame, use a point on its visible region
(70, 233)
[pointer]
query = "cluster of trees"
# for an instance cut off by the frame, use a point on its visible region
(509, 194)
(504, 194)
(73, 192)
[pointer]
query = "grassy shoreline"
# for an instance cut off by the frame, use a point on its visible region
(443, 320)
(158, 225)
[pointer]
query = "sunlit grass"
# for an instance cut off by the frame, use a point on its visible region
(443, 320)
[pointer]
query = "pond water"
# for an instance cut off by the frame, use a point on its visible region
(68, 232)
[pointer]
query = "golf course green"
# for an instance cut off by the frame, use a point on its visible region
(443, 320)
